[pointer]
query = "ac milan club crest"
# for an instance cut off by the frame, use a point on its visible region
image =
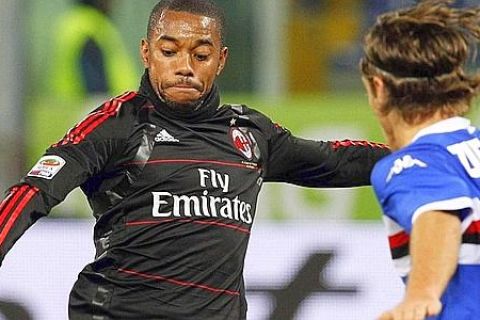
(242, 142)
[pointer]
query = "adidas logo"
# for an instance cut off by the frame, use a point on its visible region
(164, 136)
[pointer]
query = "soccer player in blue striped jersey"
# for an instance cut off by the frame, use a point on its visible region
(414, 70)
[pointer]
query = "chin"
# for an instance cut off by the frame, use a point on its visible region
(183, 102)
(183, 105)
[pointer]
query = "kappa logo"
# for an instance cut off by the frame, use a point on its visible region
(164, 136)
(404, 163)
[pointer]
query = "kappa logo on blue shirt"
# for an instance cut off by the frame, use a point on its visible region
(404, 163)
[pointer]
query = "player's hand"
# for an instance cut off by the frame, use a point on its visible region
(413, 310)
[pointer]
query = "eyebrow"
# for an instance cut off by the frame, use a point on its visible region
(198, 43)
(168, 38)
(204, 41)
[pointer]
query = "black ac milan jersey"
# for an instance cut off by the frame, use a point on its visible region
(174, 197)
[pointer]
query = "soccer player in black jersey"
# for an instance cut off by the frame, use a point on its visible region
(172, 178)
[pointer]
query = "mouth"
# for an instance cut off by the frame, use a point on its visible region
(186, 84)
(184, 87)
(184, 90)
(181, 90)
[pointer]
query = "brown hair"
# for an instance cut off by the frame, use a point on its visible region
(421, 53)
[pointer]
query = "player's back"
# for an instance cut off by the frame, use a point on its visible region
(463, 146)
(438, 170)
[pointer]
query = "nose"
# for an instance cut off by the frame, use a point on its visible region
(184, 65)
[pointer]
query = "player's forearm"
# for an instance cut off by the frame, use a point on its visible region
(325, 164)
(357, 158)
(434, 248)
(23, 205)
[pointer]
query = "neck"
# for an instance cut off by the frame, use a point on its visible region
(400, 133)
(205, 108)
(181, 108)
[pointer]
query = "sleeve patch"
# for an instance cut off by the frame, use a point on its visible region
(47, 167)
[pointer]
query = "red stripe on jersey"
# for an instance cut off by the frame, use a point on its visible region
(74, 132)
(398, 239)
(110, 111)
(353, 143)
(144, 222)
(207, 222)
(180, 282)
(77, 129)
(16, 213)
(10, 201)
(473, 228)
(7, 198)
(74, 136)
(222, 163)
(80, 131)
(81, 135)
(224, 225)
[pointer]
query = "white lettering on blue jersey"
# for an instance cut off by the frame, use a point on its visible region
(468, 152)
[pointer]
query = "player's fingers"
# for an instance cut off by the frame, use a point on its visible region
(387, 315)
(419, 313)
(434, 308)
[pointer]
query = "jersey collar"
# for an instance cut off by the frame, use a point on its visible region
(206, 110)
(443, 126)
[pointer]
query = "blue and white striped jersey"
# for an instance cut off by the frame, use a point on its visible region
(438, 170)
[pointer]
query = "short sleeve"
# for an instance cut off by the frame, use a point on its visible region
(409, 184)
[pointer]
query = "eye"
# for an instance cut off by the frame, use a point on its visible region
(201, 57)
(168, 53)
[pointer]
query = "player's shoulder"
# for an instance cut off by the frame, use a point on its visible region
(246, 113)
(112, 119)
(244, 110)
(122, 110)
(126, 104)
(119, 106)
(409, 163)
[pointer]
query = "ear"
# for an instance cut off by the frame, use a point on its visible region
(222, 60)
(378, 93)
(144, 52)
(378, 87)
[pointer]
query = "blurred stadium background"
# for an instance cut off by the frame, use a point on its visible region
(314, 254)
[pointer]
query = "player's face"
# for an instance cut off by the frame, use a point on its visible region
(184, 56)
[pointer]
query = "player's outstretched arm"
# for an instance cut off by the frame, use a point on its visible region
(324, 164)
(434, 250)
(84, 152)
